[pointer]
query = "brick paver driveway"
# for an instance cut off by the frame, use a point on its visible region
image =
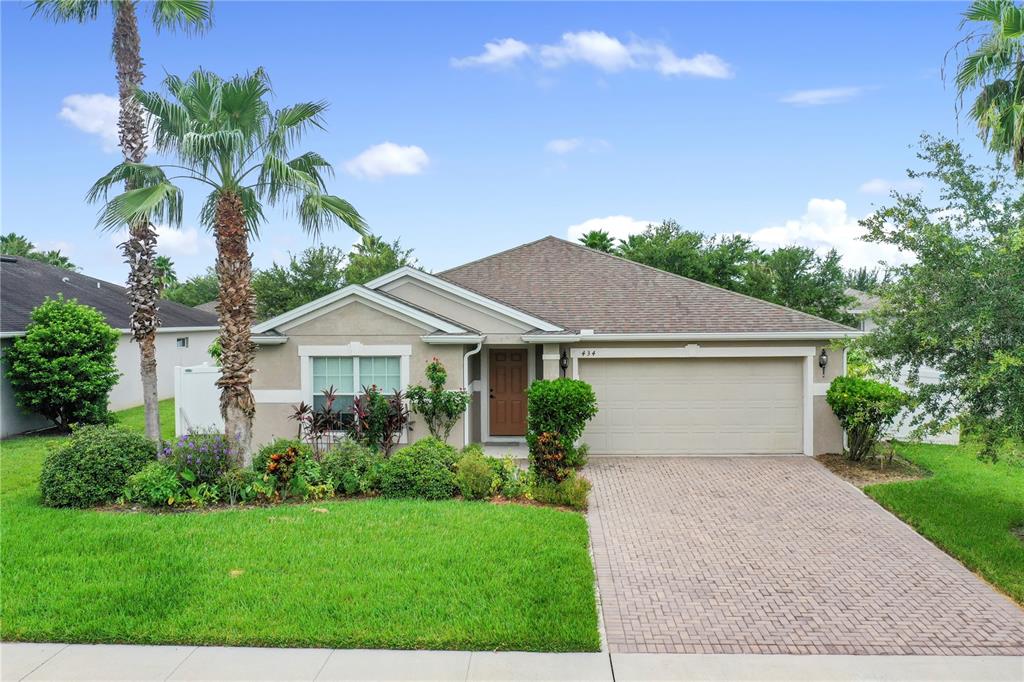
(776, 555)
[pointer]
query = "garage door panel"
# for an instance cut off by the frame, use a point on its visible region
(696, 406)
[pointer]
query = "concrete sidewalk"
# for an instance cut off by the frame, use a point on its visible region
(136, 663)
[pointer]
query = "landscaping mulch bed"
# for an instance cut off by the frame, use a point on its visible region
(871, 472)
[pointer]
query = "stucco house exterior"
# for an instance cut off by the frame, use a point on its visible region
(182, 339)
(679, 367)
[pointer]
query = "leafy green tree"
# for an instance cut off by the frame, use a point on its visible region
(63, 367)
(195, 290)
(373, 257)
(959, 307)
(16, 245)
(868, 280)
(796, 277)
(668, 247)
(139, 248)
(598, 240)
(315, 273)
(995, 70)
(163, 271)
(225, 136)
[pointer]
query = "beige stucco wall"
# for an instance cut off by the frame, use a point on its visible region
(443, 304)
(277, 367)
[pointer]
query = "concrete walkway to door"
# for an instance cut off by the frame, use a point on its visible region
(776, 555)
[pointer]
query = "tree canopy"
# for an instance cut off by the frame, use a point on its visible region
(959, 307)
(373, 257)
(316, 272)
(195, 290)
(12, 244)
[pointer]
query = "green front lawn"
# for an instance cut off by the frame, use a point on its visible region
(967, 507)
(372, 573)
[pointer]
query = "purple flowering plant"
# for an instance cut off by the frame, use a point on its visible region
(200, 456)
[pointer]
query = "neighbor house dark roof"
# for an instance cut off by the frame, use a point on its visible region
(25, 283)
(578, 288)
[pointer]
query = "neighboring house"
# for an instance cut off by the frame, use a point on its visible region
(182, 339)
(903, 429)
(679, 367)
(208, 307)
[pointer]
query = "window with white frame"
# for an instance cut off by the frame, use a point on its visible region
(349, 375)
(181, 342)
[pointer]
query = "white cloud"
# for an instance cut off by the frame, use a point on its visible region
(172, 242)
(883, 186)
(95, 114)
(813, 98)
(388, 158)
(604, 52)
(618, 226)
(566, 145)
(826, 224)
(498, 53)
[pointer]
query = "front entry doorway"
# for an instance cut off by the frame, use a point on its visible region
(508, 383)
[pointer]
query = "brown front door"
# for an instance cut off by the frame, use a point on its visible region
(508, 391)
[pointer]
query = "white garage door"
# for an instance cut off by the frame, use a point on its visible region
(689, 406)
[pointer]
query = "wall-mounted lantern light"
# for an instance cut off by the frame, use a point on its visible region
(823, 361)
(563, 362)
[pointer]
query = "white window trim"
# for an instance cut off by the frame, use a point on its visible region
(485, 391)
(693, 350)
(352, 350)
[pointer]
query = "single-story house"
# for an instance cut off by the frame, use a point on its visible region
(904, 427)
(679, 367)
(182, 339)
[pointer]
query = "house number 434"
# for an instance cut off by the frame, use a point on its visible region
(588, 353)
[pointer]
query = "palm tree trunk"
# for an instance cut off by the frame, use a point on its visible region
(140, 247)
(236, 310)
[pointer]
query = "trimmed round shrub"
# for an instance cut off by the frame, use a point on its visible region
(557, 413)
(157, 485)
(93, 465)
(424, 469)
(351, 467)
(278, 446)
(475, 477)
(64, 367)
(865, 408)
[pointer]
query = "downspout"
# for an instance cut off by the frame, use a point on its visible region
(466, 382)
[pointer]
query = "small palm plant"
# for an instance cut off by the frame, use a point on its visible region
(995, 68)
(224, 135)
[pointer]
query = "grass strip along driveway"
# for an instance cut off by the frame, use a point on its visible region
(365, 573)
(968, 507)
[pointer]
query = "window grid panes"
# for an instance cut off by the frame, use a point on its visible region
(382, 372)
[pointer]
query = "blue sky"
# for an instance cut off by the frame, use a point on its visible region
(784, 121)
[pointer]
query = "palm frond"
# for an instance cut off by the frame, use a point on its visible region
(278, 178)
(199, 147)
(66, 11)
(190, 16)
(290, 124)
(985, 10)
(160, 203)
(318, 213)
(200, 95)
(316, 166)
(170, 119)
(243, 104)
(994, 56)
(135, 174)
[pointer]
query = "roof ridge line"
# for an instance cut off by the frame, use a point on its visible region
(689, 279)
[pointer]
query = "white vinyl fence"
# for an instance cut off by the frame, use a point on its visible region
(196, 399)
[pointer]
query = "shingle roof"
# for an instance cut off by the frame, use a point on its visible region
(25, 283)
(580, 288)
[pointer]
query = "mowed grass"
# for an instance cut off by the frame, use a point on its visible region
(371, 573)
(968, 507)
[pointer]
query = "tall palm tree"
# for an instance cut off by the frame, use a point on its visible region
(995, 68)
(224, 135)
(139, 248)
(164, 274)
(599, 240)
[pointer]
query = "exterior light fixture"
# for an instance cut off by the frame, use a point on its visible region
(823, 361)
(563, 362)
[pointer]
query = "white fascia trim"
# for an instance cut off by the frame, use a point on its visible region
(454, 289)
(11, 335)
(453, 339)
(695, 351)
(354, 349)
(269, 340)
(713, 336)
(179, 330)
(366, 294)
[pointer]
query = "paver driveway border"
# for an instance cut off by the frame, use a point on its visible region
(776, 555)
